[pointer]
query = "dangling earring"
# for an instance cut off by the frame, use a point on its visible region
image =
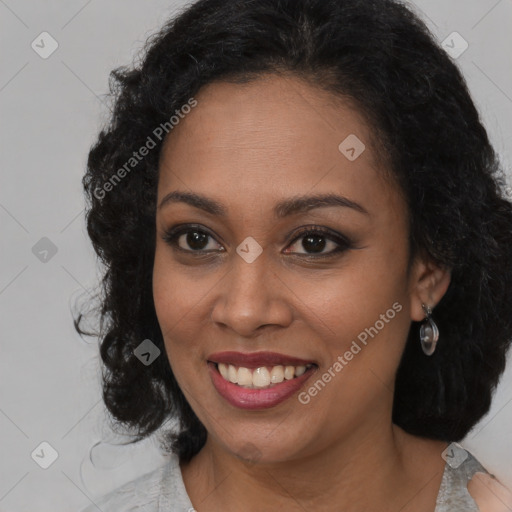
(429, 333)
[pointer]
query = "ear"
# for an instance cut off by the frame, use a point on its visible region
(427, 285)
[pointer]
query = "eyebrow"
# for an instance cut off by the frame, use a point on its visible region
(285, 208)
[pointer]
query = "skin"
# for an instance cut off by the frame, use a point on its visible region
(490, 494)
(249, 146)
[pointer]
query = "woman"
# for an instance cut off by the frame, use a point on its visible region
(308, 262)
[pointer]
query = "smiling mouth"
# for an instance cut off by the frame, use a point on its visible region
(262, 377)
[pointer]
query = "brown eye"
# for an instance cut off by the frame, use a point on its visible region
(196, 240)
(189, 239)
(315, 241)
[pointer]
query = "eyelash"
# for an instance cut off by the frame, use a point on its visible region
(172, 235)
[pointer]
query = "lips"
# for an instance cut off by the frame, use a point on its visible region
(272, 392)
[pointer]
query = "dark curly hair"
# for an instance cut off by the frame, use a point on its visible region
(381, 57)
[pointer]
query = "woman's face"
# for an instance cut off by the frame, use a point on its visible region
(339, 299)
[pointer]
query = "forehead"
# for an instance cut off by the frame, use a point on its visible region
(274, 136)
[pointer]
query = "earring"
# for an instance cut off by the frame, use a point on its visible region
(429, 333)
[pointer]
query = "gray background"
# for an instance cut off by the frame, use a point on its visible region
(51, 111)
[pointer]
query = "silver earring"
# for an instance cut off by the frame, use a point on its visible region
(429, 333)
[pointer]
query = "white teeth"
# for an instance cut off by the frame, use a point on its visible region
(232, 374)
(300, 370)
(277, 375)
(260, 377)
(289, 372)
(244, 377)
(223, 369)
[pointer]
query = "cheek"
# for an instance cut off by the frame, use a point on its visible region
(177, 290)
(179, 295)
(165, 296)
(173, 301)
(361, 314)
(170, 307)
(352, 298)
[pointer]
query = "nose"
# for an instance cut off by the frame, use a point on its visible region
(251, 296)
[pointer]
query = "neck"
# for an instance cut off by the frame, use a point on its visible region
(362, 471)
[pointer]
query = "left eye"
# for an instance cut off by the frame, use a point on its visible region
(315, 241)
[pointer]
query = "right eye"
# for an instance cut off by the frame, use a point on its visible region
(190, 239)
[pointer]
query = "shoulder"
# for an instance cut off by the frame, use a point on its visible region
(142, 493)
(468, 486)
(489, 493)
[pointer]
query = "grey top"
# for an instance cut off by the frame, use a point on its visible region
(163, 490)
